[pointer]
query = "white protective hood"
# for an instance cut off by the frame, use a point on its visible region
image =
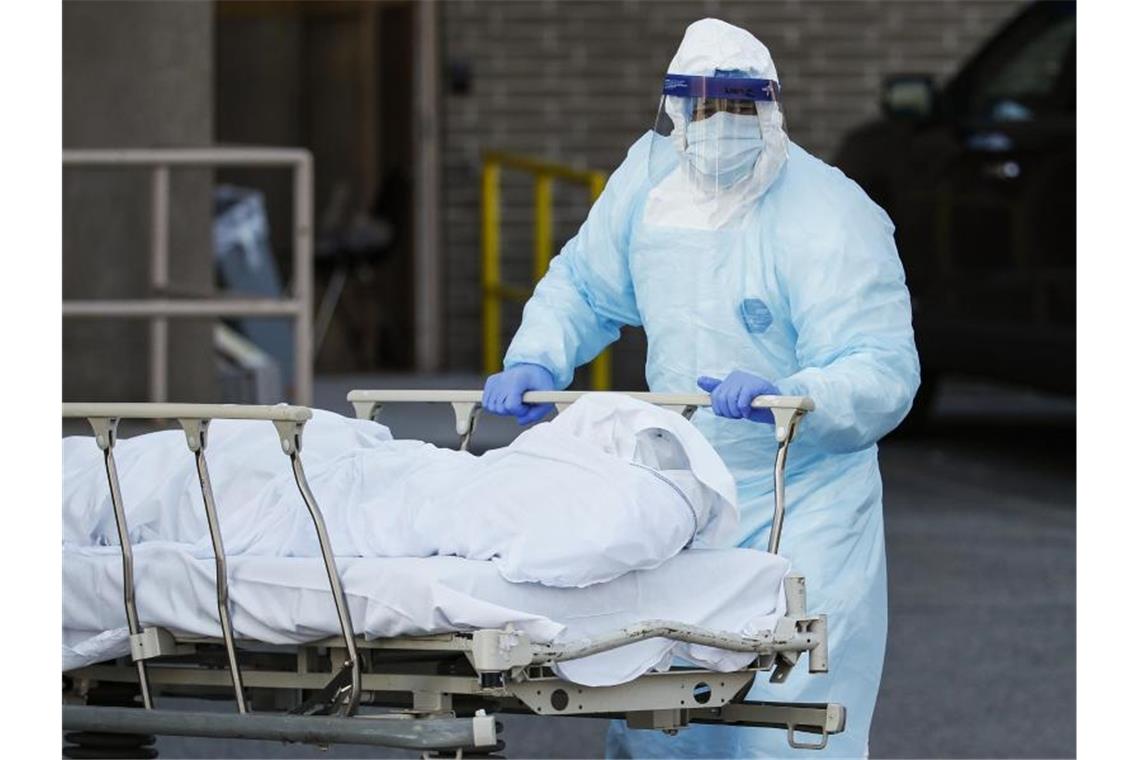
(712, 45)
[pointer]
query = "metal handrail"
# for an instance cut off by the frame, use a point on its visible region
(787, 411)
(222, 155)
(495, 291)
(194, 419)
(159, 310)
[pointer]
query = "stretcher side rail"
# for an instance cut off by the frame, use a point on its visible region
(787, 412)
(342, 693)
(174, 411)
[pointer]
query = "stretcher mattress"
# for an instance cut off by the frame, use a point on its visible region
(284, 600)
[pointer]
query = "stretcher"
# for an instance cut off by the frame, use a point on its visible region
(436, 693)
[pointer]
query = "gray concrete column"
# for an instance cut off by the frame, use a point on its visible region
(135, 75)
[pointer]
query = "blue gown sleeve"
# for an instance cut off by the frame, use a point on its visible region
(579, 306)
(850, 307)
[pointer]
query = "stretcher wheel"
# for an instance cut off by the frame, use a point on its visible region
(92, 744)
(96, 745)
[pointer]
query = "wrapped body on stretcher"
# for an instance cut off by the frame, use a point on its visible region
(582, 570)
(614, 512)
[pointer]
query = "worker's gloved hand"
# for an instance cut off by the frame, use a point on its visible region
(502, 394)
(732, 396)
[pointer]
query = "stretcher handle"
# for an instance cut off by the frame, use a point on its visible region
(802, 403)
(785, 409)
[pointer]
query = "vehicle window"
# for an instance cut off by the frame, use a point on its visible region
(1021, 79)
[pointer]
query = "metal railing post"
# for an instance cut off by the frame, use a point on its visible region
(159, 278)
(303, 279)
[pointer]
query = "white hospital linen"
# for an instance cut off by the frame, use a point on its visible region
(283, 600)
(609, 486)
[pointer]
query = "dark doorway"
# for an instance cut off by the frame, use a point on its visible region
(335, 78)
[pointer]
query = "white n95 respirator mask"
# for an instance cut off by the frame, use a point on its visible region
(724, 147)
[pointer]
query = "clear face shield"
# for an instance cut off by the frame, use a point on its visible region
(712, 132)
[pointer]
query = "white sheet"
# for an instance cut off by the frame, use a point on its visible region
(609, 486)
(286, 600)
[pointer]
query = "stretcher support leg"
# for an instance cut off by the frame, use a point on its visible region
(290, 435)
(466, 417)
(778, 512)
(106, 430)
(787, 423)
(195, 430)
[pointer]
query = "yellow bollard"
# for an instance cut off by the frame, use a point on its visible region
(492, 308)
(543, 226)
(601, 370)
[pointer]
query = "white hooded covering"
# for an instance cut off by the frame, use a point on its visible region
(709, 46)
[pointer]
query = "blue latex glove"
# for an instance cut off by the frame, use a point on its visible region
(732, 397)
(502, 394)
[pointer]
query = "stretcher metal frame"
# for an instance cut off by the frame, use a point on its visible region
(440, 689)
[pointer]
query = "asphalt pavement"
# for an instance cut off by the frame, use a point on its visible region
(981, 546)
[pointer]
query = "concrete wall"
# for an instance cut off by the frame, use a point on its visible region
(579, 82)
(135, 75)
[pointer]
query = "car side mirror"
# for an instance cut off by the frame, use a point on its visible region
(909, 97)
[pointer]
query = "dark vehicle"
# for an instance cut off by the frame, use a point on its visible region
(980, 180)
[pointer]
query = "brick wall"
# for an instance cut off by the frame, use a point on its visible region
(578, 82)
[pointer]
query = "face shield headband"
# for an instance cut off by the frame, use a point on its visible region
(721, 88)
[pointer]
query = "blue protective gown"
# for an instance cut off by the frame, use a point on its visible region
(806, 290)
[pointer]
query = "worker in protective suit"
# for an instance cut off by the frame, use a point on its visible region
(754, 268)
